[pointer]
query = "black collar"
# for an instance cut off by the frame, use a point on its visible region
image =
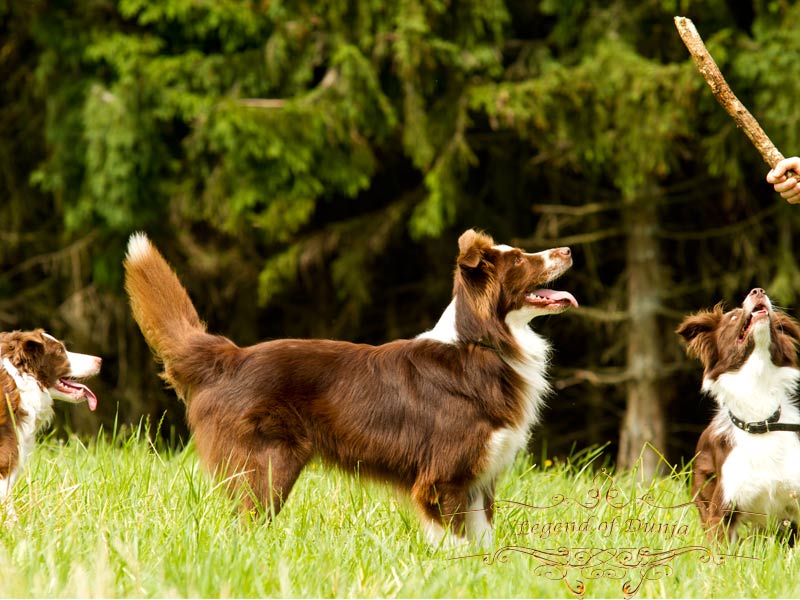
(765, 426)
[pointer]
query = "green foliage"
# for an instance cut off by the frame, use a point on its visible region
(278, 272)
(120, 163)
(308, 166)
(586, 110)
(764, 68)
(193, 67)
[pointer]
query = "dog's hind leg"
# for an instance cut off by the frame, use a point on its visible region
(257, 469)
(261, 476)
(271, 474)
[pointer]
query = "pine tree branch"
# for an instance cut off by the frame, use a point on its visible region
(328, 81)
(725, 96)
(612, 376)
(570, 240)
(596, 378)
(720, 231)
(576, 211)
(262, 102)
(60, 256)
(601, 314)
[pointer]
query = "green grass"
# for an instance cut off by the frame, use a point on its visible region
(117, 517)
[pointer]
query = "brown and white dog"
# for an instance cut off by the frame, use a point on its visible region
(440, 415)
(747, 462)
(36, 369)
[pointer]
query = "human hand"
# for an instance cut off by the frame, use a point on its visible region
(787, 187)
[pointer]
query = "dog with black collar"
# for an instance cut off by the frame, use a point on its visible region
(747, 462)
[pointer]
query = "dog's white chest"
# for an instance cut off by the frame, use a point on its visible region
(762, 475)
(37, 405)
(504, 443)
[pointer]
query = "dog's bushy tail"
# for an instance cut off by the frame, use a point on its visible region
(168, 319)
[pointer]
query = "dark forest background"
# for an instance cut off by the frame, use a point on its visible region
(307, 168)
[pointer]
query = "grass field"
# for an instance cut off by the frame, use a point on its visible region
(118, 517)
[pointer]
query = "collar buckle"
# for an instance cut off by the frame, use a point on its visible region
(756, 426)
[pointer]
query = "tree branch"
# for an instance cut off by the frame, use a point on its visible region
(575, 211)
(612, 376)
(58, 256)
(329, 80)
(262, 102)
(601, 314)
(719, 231)
(579, 376)
(569, 240)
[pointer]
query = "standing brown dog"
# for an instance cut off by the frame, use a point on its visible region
(440, 415)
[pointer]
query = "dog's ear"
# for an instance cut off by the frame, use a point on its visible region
(698, 324)
(697, 329)
(785, 339)
(33, 343)
(471, 245)
(32, 347)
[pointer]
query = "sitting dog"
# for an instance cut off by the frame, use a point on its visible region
(36, 368)
(440, 415)
(747, 462)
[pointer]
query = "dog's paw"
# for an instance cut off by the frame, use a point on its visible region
(8, 516)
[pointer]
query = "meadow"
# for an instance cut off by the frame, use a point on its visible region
(117, 516)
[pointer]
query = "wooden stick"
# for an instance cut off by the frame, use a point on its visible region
(722, 92)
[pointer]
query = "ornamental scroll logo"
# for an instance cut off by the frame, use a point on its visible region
(603, 514)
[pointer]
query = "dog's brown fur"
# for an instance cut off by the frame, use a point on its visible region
(418, 413)
(10, 413)
(36, 369)
(42, 357)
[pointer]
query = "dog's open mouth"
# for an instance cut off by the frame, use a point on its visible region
(77, 391)
(551, 299)
(760, 312)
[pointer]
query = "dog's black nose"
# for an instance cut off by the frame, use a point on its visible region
(758, 292)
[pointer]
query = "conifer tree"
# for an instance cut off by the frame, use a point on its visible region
(308, 166)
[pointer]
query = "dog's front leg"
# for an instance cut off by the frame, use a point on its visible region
(7, 512)
(9, 468)
(480, 514)
(443, 510)
(721, 526)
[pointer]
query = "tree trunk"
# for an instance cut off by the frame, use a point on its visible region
(644, 414)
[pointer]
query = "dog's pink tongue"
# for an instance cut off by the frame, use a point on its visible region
(91, 399)
(557, 295)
